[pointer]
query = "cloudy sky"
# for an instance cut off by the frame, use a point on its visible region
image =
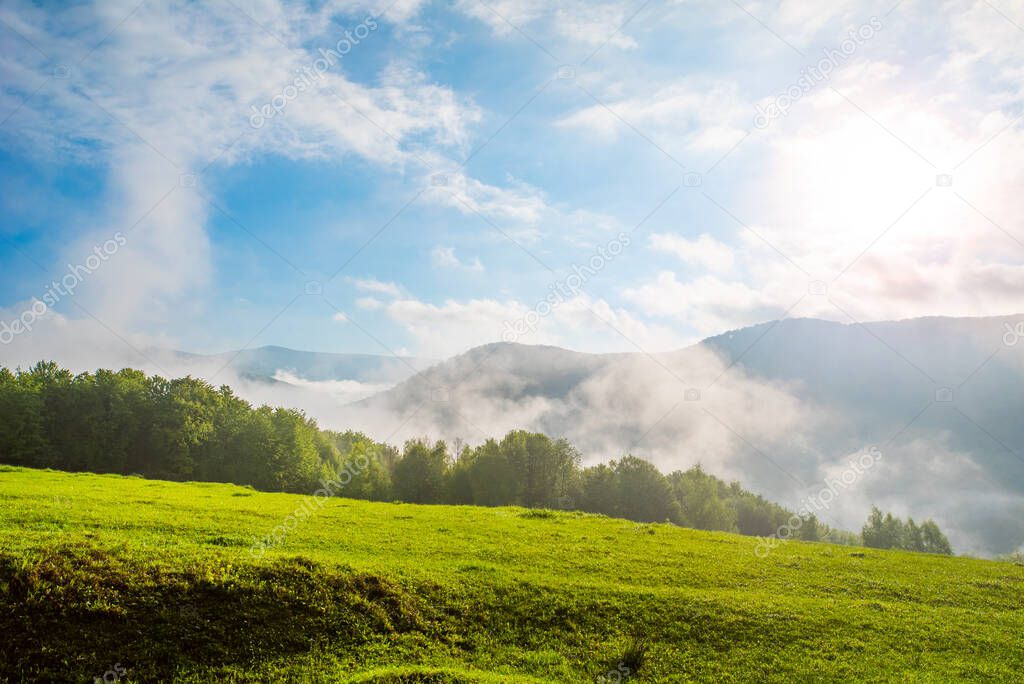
(418, 177)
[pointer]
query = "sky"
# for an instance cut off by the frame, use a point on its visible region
(418, 178)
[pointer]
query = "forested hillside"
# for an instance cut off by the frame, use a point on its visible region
(185, 429)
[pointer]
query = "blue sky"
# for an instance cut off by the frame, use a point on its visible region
(352, 221)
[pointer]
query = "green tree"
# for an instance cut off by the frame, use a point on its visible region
(370, 479)
(913, 538)
(459, 488)
(543, 467)
(600, 490)
(885, 531)
(701, 506)
(295, 461)
(23, 437)
(934, 541)
(492, 478)
(645, 494)
(873, 532)
(754, 515)
(811, 528)
(419, 476)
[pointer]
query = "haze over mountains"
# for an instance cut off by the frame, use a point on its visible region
(365, 372)
(783, 407)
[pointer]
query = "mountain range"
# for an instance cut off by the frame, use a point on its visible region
(788, 408)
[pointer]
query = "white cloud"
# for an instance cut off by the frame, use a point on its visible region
(444, 257)
(838, 187)
(81, 344)
(984, 32)
(518, 202)
(585, 22)
(697, 115)
(504, 16)
(171, 90)
(378, 286)
(707, 303)
(369, 303)
(847, 179)
(518, 210)
(594, 24)
(802, 19)
(340, 317)
(705, 251)
(454, 326)
(804, 24)
(341, 391)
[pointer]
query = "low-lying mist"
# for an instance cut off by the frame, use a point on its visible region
(789, 432)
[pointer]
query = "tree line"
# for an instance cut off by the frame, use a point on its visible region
(185, 429)
(885, 531)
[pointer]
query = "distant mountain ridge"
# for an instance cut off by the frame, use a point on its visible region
(264, 363)
(781, 406)
(773, 405)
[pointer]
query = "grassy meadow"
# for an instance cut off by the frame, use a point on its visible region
(143, 580)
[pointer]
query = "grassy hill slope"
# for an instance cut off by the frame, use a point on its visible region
(158, 578)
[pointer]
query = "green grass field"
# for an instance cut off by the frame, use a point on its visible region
(158, 578)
